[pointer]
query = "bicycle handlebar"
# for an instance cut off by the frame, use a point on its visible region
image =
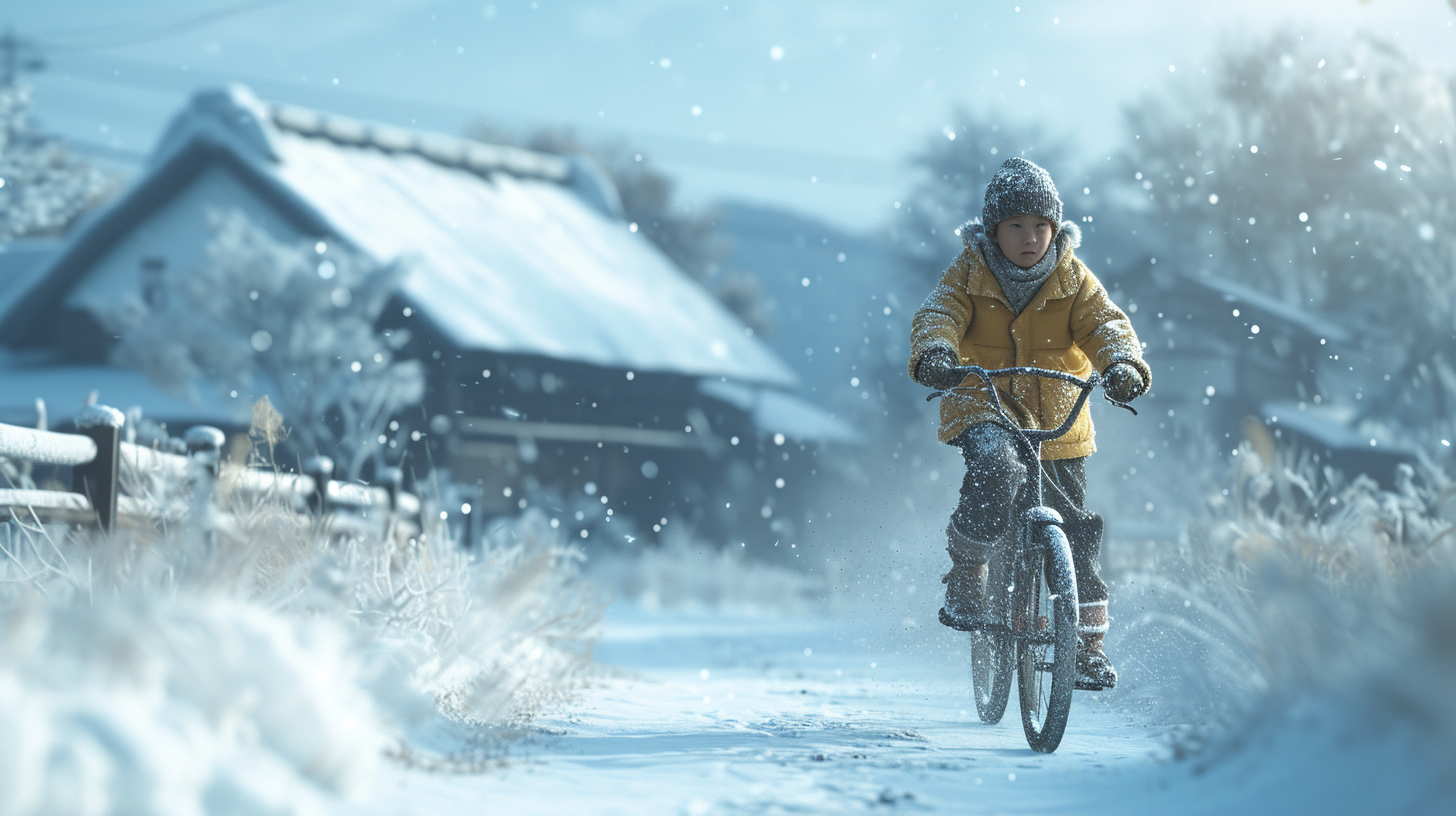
(1033, 434)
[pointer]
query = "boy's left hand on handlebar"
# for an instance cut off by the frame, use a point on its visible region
(938, 370)
(1122, 382)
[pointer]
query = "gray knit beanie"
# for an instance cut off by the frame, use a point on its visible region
(1021, 187)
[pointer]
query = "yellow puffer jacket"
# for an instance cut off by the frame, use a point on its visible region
(1069, 325)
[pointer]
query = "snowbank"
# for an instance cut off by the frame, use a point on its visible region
(254, 661)
(179, 705)
(1306, 616)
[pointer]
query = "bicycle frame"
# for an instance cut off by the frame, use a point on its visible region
(1028, 440)
(1037, 552)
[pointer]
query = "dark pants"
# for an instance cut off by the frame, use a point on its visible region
(995, 476)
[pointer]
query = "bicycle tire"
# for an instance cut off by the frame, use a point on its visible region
(992, 654)
(1047, 663)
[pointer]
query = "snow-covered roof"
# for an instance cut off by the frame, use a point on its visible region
(1251, 298)
(504, 249)
(1330, 427)
(19, 258)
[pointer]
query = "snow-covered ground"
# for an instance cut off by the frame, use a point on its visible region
(255, 670)
(709, 712)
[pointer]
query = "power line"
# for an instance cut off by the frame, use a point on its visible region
(163, 31)
(736, 157)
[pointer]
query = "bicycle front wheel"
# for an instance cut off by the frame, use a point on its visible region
(993, 652)
(1046, 623)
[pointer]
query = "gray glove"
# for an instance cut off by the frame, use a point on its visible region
(1122, 382)
(934, 370)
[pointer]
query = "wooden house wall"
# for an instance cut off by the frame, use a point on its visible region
(582, 426)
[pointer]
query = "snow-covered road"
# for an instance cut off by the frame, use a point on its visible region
(712, 712)
(715, 712)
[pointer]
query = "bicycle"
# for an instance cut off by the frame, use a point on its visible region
(1028, 625)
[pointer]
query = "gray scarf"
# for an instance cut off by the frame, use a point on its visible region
(1020, 285)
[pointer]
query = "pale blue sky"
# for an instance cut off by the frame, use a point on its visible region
(786, 92)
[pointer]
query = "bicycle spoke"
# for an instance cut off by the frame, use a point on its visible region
(993, 649)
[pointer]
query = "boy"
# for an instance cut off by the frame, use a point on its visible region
(1018, 296)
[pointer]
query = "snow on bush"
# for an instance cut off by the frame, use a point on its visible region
(515, 643)
(1306, 591)
(245, 658)
(294, 318)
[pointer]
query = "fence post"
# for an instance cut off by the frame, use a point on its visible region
(321, 469)
(97, 479)
(204, 446)
(392, 480)
(468, 534)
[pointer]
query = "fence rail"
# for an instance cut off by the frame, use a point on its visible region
(45, 447)
(102, 465)
(62, 505)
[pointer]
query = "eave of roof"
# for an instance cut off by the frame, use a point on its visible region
(1233, 292)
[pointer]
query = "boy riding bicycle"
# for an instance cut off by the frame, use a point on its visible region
(1018, 296)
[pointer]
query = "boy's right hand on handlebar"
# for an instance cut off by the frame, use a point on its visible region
(1122, 382)
(937, 370)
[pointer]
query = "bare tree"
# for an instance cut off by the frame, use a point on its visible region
(43, 188)
(1322, 175)
(954, 167)
(295, 319)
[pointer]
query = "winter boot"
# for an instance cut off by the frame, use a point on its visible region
(965, 595)
(1094, 670)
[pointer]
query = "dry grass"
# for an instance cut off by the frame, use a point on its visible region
(492, 637)
(1300, 585)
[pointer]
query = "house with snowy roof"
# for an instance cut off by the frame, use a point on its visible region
(1225, 354)
(1223, 340)
(562, 348)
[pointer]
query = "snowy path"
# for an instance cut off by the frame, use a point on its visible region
(707, 713)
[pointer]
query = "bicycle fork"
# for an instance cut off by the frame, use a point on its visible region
(1041, 554)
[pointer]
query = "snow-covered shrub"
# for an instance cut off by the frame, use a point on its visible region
(293, 319)
(243, 657)
(1301, 588)
(43, 188)
(504, 674)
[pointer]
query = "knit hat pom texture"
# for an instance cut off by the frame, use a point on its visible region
(1021, 187)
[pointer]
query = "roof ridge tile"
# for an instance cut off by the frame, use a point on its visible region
(441, 148)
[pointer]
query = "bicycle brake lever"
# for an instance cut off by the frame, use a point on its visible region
(1119, 404)
(946, 392)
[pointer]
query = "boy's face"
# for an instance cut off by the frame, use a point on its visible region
(1024, 239)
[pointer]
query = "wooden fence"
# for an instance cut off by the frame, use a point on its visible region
(103, 465)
